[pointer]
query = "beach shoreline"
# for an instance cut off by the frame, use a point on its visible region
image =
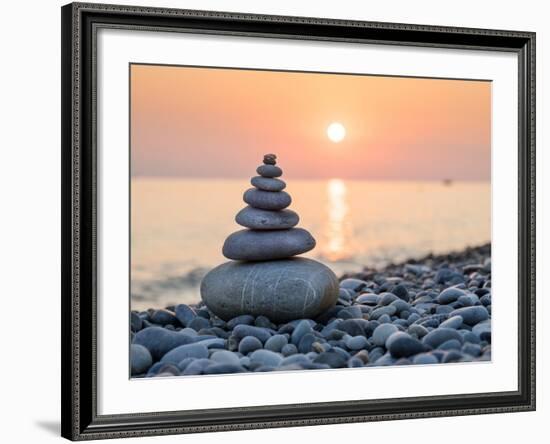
(432, 310)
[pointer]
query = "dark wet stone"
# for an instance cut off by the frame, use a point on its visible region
(185, 314)
(197, 367)
(401, 306)
(214, 331)
(281, 290)
(276, 343)
(266, 357)
(240, 331)
(483, 330)
(212, 343)
(268, 184)
(299, 359)
(443, 309)
(264, 322)
(301, 329)
(425, 358)
(355, 363)
(249, 344)
(401, 322)
(319, 346)
(140, 359)
(182, 365)
(425, 299)
(387, 298)
(199, 323)
(269, 171)
(368, 299)
(431, 322)
(369, 327)
(417, 270)
(352, 326)
(258, 219)
(471, 268)
(225, 357)
(382, 333)
(248, 245)
(387, 310)
(220, 369)
(449, 295)
(306, 343)
(470, 337)
(353, 284)
(472, 315)
(159, 340)
(168, 370)
(356, 342)
(448, 276)
(386, 359)
(189, 332)
(363, 355)
(261, 368)
(471, 349)
(267, 200)
(330, 327)
(453, 322)
(440, 335)
(242, 319)
(295, 322)
(401, 292)
(451, 344)
(332, 359)
(164, 317)
(467, 300)
(452, 356)
(154, 369)
(352, 312)
(289, 349)
(178, 354)
(136, 323)
(219, 323)
(485, 300)
(203, 313)
(376, 353)
(403, 345)
(345, 294)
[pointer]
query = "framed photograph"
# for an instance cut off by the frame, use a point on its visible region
(275, 221)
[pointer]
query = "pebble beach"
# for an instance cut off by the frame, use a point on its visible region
(433, 310)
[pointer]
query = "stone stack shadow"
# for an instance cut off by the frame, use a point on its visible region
(263, 276)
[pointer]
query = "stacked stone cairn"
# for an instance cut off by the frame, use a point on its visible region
(263, 276)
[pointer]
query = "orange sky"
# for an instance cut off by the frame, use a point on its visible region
(205, 122)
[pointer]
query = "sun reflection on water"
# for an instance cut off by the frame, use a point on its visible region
(337, 231)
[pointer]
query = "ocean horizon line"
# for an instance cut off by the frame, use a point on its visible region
(308, 179)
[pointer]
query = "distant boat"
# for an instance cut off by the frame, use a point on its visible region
(447, 182)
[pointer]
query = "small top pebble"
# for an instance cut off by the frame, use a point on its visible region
(270, 159)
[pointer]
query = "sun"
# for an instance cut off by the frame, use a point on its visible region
(336, 132)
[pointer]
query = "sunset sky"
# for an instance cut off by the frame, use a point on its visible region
(218, 123)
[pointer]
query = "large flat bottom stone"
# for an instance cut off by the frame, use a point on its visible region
(282, 290)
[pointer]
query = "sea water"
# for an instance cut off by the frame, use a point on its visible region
(178, 226)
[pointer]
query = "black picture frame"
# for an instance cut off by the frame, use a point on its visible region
(79, 317)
